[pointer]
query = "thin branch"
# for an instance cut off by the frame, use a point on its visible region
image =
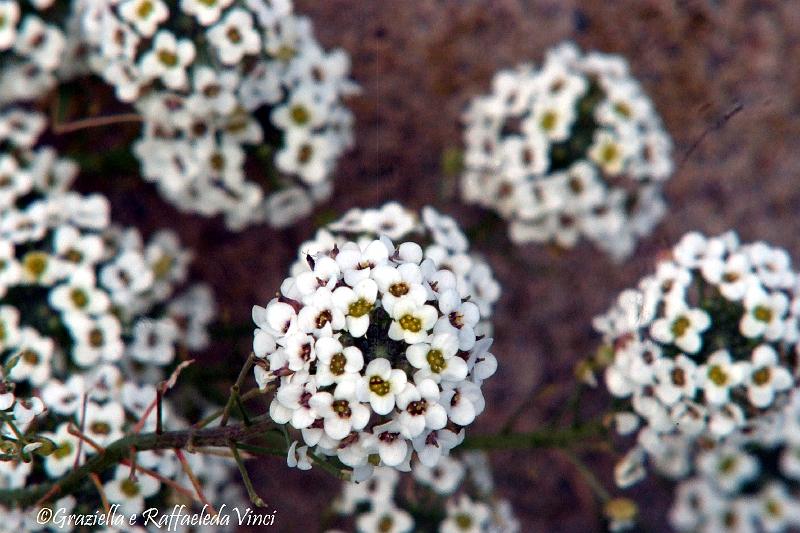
(236, 387)
(198, 488)
(591, 480)
(120, 450)
(248, 484)
(82, 422)
(94, 122)
(103, 498)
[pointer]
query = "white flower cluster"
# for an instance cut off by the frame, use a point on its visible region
(456, 496)
(88, 325)
(216, 81)
(703, 349)
(572, 149)
(442, 240)
(33, 48)
(748, 483)
(374, 353)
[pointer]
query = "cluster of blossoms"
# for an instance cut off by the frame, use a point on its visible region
(574, 148)
(442, 240)
(33, 47)
(88, 327)
(216, 81)
(747, 483)
(374, 352)
(455, 496)
(703, 351)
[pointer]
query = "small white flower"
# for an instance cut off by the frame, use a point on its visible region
(764, 313)
(681, 326)
(145, 15)
(719, 375)
(444, 478)
(206, 11)
(305, 154)
(437, 359)
(676, 379)
(608, 152)
(386, 519)
(321, 314)
(459, 317)
(168, 59)
(420, 409)
(103, 423)
(63, 457)
(765, 377)
(335, 362)
(341, 411)
(95, 338)
(9, 16)
(465, 516)
(729, 467)
(154, 341)
(129, 493)
(411, 322)
(33, 353)
(234, 37)
(80, 294)
(463, 402)
(392, 448)
(356, 304)
(380, 385)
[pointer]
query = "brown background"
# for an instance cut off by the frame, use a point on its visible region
(418, 63)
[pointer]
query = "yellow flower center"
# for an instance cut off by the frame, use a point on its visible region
(762, 314)
(145, 9)
(399, 289)
(761, 376)
(63, 450)
(129, 488)
(359, 308)
(100, 428)
(168, 58)
(679, 326)
(337, 364)
(35, 263)
(379, 386)
(463, 521)
(411, 323)
(300, 114)
(717, 375)
(436, 360)
(549, 120)
(79, 298)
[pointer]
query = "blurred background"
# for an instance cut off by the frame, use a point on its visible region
(723, 75)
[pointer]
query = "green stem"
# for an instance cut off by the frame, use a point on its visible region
(588, 476)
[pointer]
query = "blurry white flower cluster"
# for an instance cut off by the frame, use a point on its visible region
(703, 351)
(373, 349)
(572, 149)
(220, 86)
(747, 483)
(33, 47)
(455, 496)
(88, 325)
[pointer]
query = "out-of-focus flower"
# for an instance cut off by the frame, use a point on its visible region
(221, 85)
(572, 149)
